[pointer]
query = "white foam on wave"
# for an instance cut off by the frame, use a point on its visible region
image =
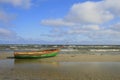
(68, 50)
(104, 50)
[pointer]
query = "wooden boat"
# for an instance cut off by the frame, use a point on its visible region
(36, 54)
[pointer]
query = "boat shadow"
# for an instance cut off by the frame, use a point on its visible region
(11, 57)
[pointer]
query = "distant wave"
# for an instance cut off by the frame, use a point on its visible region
(104, 50)
(68, 50)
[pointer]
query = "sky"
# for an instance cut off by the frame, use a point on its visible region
(83, 22)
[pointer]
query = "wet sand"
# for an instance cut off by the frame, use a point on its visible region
(84, 58)
(61, 67)
(74, 57)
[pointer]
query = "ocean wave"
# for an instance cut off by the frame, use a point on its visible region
(68, 50)
(104, 50)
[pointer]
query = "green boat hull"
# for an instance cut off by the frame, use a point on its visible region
(36, 56)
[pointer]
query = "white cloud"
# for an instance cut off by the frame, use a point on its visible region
(89, 12)
(99, 34)
(19, 3)
(57, 22)
(91, 27)
(104, 35)
(5, 18)
(6, 34)
(115, 27)
(4, 31)
(84, 13)
(113, 6)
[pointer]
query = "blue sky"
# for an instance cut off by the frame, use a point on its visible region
(60, 22)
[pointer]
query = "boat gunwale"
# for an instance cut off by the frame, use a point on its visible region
(36, 52)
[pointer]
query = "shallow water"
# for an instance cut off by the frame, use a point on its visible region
(20, 69)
